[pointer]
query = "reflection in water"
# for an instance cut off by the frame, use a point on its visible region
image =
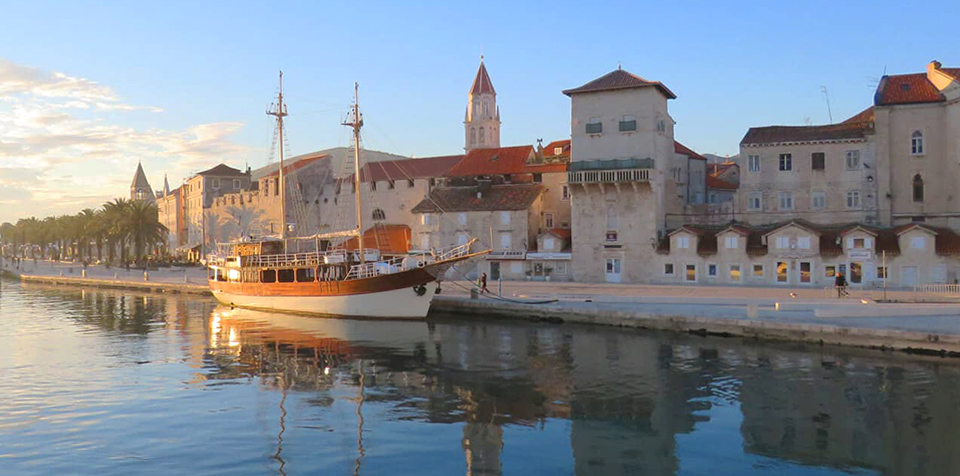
(486, 398)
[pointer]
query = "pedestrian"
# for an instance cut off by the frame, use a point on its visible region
(841, 284)
(483, 283)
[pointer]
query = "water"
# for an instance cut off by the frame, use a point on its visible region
(101, 383)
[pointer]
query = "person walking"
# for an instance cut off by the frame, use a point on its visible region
(482, 283)
(841, 284)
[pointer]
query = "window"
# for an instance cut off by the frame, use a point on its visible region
(859, 243)
(461, 219)
(548, 243)
(276, 186)
(783, 242)
(732, 242)
(379, 215)
(668, 269)
(829, 271)
(537, 178)
(565, 193)
(803, 242)
(805, 275)
(594, 126)
(881, 272)
(683, 242)
(557, 150)
(504, 218)
(661, 125)
(612, 221)
(818, 161)
(917, 188)
(216, 184)
(305, 275)
(786, 162)
(285, 275)
(755, 201)
(628, 123)
(473, 136)
(505, 241)
(560, 268)
(758, 270)
(483, 136)
(712, 197)
(735, 273)
(916, 143)
(918, 242)
(425, 219)
(268, 276)
(690, 274)
(782, 269)
(712, 270)
(236, 184)
(753, 163)
(853, 160)
(548, 220)
(853, 199)
(786, 200)
(611, 236)
(818, 200)
(486, 109)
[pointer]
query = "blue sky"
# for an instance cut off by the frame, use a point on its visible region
(183, 85)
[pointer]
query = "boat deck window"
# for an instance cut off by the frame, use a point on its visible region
(268, 276)
(305, 275)
(221, 275)
(285, 275)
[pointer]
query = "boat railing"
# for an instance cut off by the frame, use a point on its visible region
(372, 269)
(313, 258)
(455, 252)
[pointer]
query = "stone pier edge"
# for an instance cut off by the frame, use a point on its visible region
(881, 339)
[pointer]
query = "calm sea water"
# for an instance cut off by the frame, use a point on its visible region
(100, 383)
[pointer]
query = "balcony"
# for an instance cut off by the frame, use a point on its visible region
(609, 176)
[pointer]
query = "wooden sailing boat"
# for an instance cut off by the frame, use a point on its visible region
(261, 274)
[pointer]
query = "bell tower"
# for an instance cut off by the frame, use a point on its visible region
(481, 121)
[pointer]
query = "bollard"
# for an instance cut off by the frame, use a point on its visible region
(474, 294)
(116, 276)
(753, 311)
(776, 306)
(145, 277)
(83, 273)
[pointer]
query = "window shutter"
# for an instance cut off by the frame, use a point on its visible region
(849, 242)
(867, 243)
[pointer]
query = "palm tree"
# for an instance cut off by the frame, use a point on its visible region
(146, 232)
(115, 213)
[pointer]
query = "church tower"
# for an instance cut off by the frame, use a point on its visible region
(140, 188)
(481, 122)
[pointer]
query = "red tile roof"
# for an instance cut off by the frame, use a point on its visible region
(779, 134)
(563, 145)
(906, 89)
(716, 183)
(682, 149)
(288, 169)
(425, 167)
(619, 79)
(502, 161)
(493, 198)
(222, 170)
(482, 83)
(560, 232)
(867, 115)
(719, 169)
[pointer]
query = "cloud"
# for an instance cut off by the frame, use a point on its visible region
(61, 149)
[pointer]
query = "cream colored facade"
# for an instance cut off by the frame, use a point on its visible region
(199, 193)
(170, 215)
(843, 191)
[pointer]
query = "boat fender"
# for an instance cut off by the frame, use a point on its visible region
(420, 289)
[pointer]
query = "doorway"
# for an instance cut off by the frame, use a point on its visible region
(613, 270)
(494, 270)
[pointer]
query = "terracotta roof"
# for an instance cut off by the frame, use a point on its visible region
(564, 145)
(866, 115)
(482, 83)
(389, 239)
(714, 182)
(502, 161)
(288, 169)
(619, 79)
(906, 89)
(682, 149)
(222, 170)
(778, 134)
(425, 167)
(560, 232)
(493, 198)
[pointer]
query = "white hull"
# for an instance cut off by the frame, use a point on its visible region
(401, 303)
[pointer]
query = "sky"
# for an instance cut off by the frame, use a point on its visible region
(88, 89)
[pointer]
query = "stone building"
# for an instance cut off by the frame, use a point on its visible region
(481, 121)
(140, 188)
(621, 188)
(170, 215)
(198, 195)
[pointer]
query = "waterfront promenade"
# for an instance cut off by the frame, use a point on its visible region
(797, 314)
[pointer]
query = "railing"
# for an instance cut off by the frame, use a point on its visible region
(375, 268)
(297, 259)
(939, 289)
(609, 176)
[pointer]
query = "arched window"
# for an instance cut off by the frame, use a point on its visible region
(486, 109)
(476, 109)
(916, 143)
(917, 188)
(612, 218)
(483, 136)
(379, 215)
(473, 135)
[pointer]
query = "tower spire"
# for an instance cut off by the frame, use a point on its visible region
(482, 119)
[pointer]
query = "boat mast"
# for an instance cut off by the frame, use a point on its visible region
(356, 125)
(279, 110)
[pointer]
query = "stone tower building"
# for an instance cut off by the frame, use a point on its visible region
(140, 188)
(481, 122)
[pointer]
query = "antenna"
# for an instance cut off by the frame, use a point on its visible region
(279, 110)
(826, 95)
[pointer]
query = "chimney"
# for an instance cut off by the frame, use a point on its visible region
(933, 65)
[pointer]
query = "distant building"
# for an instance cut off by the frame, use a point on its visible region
(140, 187)
(481, 121)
